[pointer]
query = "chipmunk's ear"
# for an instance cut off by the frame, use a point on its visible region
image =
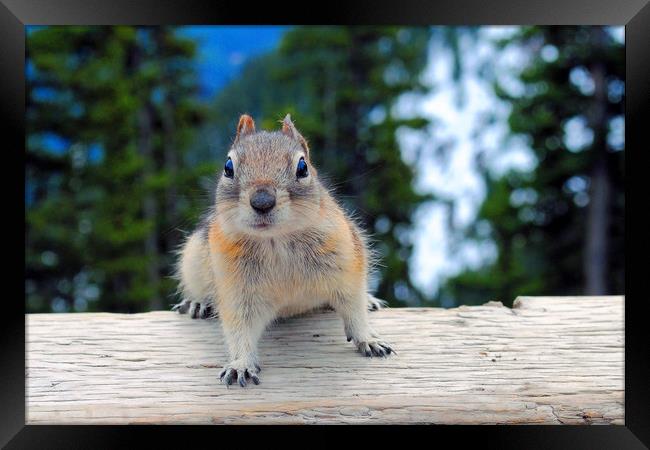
(246, 126)
(290, 130)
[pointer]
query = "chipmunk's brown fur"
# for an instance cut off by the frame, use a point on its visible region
(276, 244)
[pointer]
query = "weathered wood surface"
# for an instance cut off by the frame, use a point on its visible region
(546, 361)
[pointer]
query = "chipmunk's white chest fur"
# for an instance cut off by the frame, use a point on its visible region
(297, 271)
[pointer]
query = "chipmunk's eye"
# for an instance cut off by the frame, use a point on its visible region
(229, 169)
(301, 171)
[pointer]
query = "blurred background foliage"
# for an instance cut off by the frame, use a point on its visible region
(124, 143)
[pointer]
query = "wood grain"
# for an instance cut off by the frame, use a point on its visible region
(549, 360)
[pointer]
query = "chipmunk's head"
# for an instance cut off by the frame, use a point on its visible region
(268, 185)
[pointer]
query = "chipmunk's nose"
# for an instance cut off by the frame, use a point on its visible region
(263, 200)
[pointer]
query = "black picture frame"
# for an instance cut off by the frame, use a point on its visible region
(633, 14)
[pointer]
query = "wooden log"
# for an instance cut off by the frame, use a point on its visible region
(556, 360)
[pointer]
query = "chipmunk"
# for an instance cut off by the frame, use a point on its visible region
(275, 244)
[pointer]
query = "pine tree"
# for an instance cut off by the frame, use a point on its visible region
(559, 229)
(117, 101)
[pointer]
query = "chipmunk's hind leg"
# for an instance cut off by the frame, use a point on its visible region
(375, 304)
(195, 279)
(197, 310)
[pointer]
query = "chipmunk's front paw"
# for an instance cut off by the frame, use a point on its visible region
(241, 371)
(369, 344)
(203, 310)
(373, 347)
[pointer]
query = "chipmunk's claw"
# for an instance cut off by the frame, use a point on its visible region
(194, 310)
(227, 375)
(206, 311)
(182, 307)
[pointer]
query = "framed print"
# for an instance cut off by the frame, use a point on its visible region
(382, 214)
